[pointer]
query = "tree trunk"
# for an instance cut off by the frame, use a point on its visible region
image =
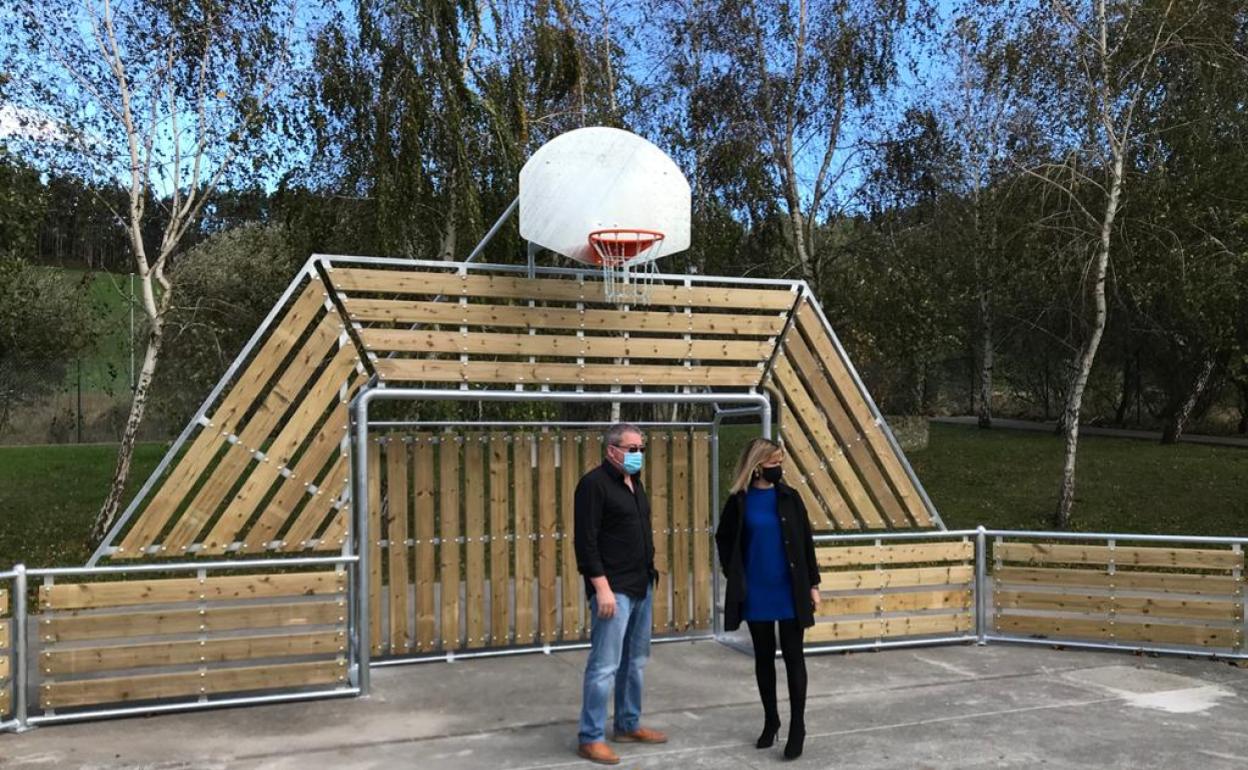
(125, 453)
(986, 361)
(1178, 421)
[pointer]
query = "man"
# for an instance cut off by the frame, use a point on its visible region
(615, 553)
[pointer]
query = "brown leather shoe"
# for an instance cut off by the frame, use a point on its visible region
(642, 735)
(597, 752)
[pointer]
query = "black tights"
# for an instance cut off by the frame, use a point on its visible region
(764, 635)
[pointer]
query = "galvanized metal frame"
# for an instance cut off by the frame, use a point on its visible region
(360, 425)
(20, 651)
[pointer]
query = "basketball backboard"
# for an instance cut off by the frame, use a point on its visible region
(601, 178)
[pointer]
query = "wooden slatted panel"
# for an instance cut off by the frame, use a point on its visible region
(1142, 556)
(335, 533)
(318, 508)
(680, 530)
(895, 578)
(827, 497)
(85, 692)
(1164, 582)
(187, 471)
(72, 596)
(375, 535)
(901, 553)
(838, 372)
(896, 602)
(240, 458)
(500, 548)
(573, 607)
(843, 428)
(657, 466)
(1228, 609)
(474, 531)
(826, 445)
(493, 343)
(397, 513)
(482, 372)
(370, 280)
(522, 492)
(508, 316)
(69, 627)
(449, 529)
(876, 628)
(83, 660)
(321, 398)
(700, 510)
(1106, 630)
(547, 523)
(426, 564)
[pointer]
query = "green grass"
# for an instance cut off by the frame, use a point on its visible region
(1001, 479)
(49, 496)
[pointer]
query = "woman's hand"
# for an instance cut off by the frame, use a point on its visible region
(814, 599)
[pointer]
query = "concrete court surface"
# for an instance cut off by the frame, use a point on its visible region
(937, 707)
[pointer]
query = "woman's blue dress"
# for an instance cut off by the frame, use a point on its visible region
(768, 586)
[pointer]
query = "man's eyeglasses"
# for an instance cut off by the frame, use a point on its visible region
(630, 448)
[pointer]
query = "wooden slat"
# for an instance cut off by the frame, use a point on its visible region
(1103, 629)
(474, 531)
(572, 608)
(481, 372)
(397, 513)
(84, 660)
(895, 578)
(1164, 582)
(319, 506)
(826, 446)
(335, 533)
(875, 628)
(680, 530)
(4, 601)
(449, 506)
(497, 344)
(4, 702)
(119, 593)
(240, 461)
(371, 280)
(375, 535)
(426, 564)
(81, 627)
(657, 467)
(280, 342)
(547, 544)
(500, 548)
(831, 503)
(700, 473)
(896, 602)
(321, 398)
(1140, 556)
(86, 692)
(1227, 610)
(5, 667)
(591, 457)
(856, 402)
(522, 492)
(843, 428)
(407, 312)
(4, 634)
(900, 553)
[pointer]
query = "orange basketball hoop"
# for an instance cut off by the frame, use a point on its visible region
(626, 256)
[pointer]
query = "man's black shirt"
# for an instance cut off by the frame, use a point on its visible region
(613, 534)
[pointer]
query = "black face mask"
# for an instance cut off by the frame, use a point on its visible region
(772, 475)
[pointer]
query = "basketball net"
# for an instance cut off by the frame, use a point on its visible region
(626, 256)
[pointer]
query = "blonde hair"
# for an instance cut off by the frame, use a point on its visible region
(755, 453)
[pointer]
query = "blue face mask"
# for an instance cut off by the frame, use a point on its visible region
(632, 462)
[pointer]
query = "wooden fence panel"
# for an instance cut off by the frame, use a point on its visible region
(680, 531)
(548, 529)
(574, 609)
(425, 556)
(700, 512)
(522, 493)
(500, 548)
(660, 519)
(474, 530)
(399, 503)
(449, 487)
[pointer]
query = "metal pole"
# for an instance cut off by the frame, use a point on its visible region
(360, 536)
(981, 585)
(498, 224)
(20, 653)
(717, 617)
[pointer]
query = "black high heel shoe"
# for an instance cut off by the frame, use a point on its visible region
(797, 736)
(768, 737)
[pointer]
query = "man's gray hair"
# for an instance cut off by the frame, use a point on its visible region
(616, 432)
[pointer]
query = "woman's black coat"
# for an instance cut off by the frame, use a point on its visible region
(799, 547)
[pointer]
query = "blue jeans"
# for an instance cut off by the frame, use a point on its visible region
(619, 648)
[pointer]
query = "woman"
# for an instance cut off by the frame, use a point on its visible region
(768, 555)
